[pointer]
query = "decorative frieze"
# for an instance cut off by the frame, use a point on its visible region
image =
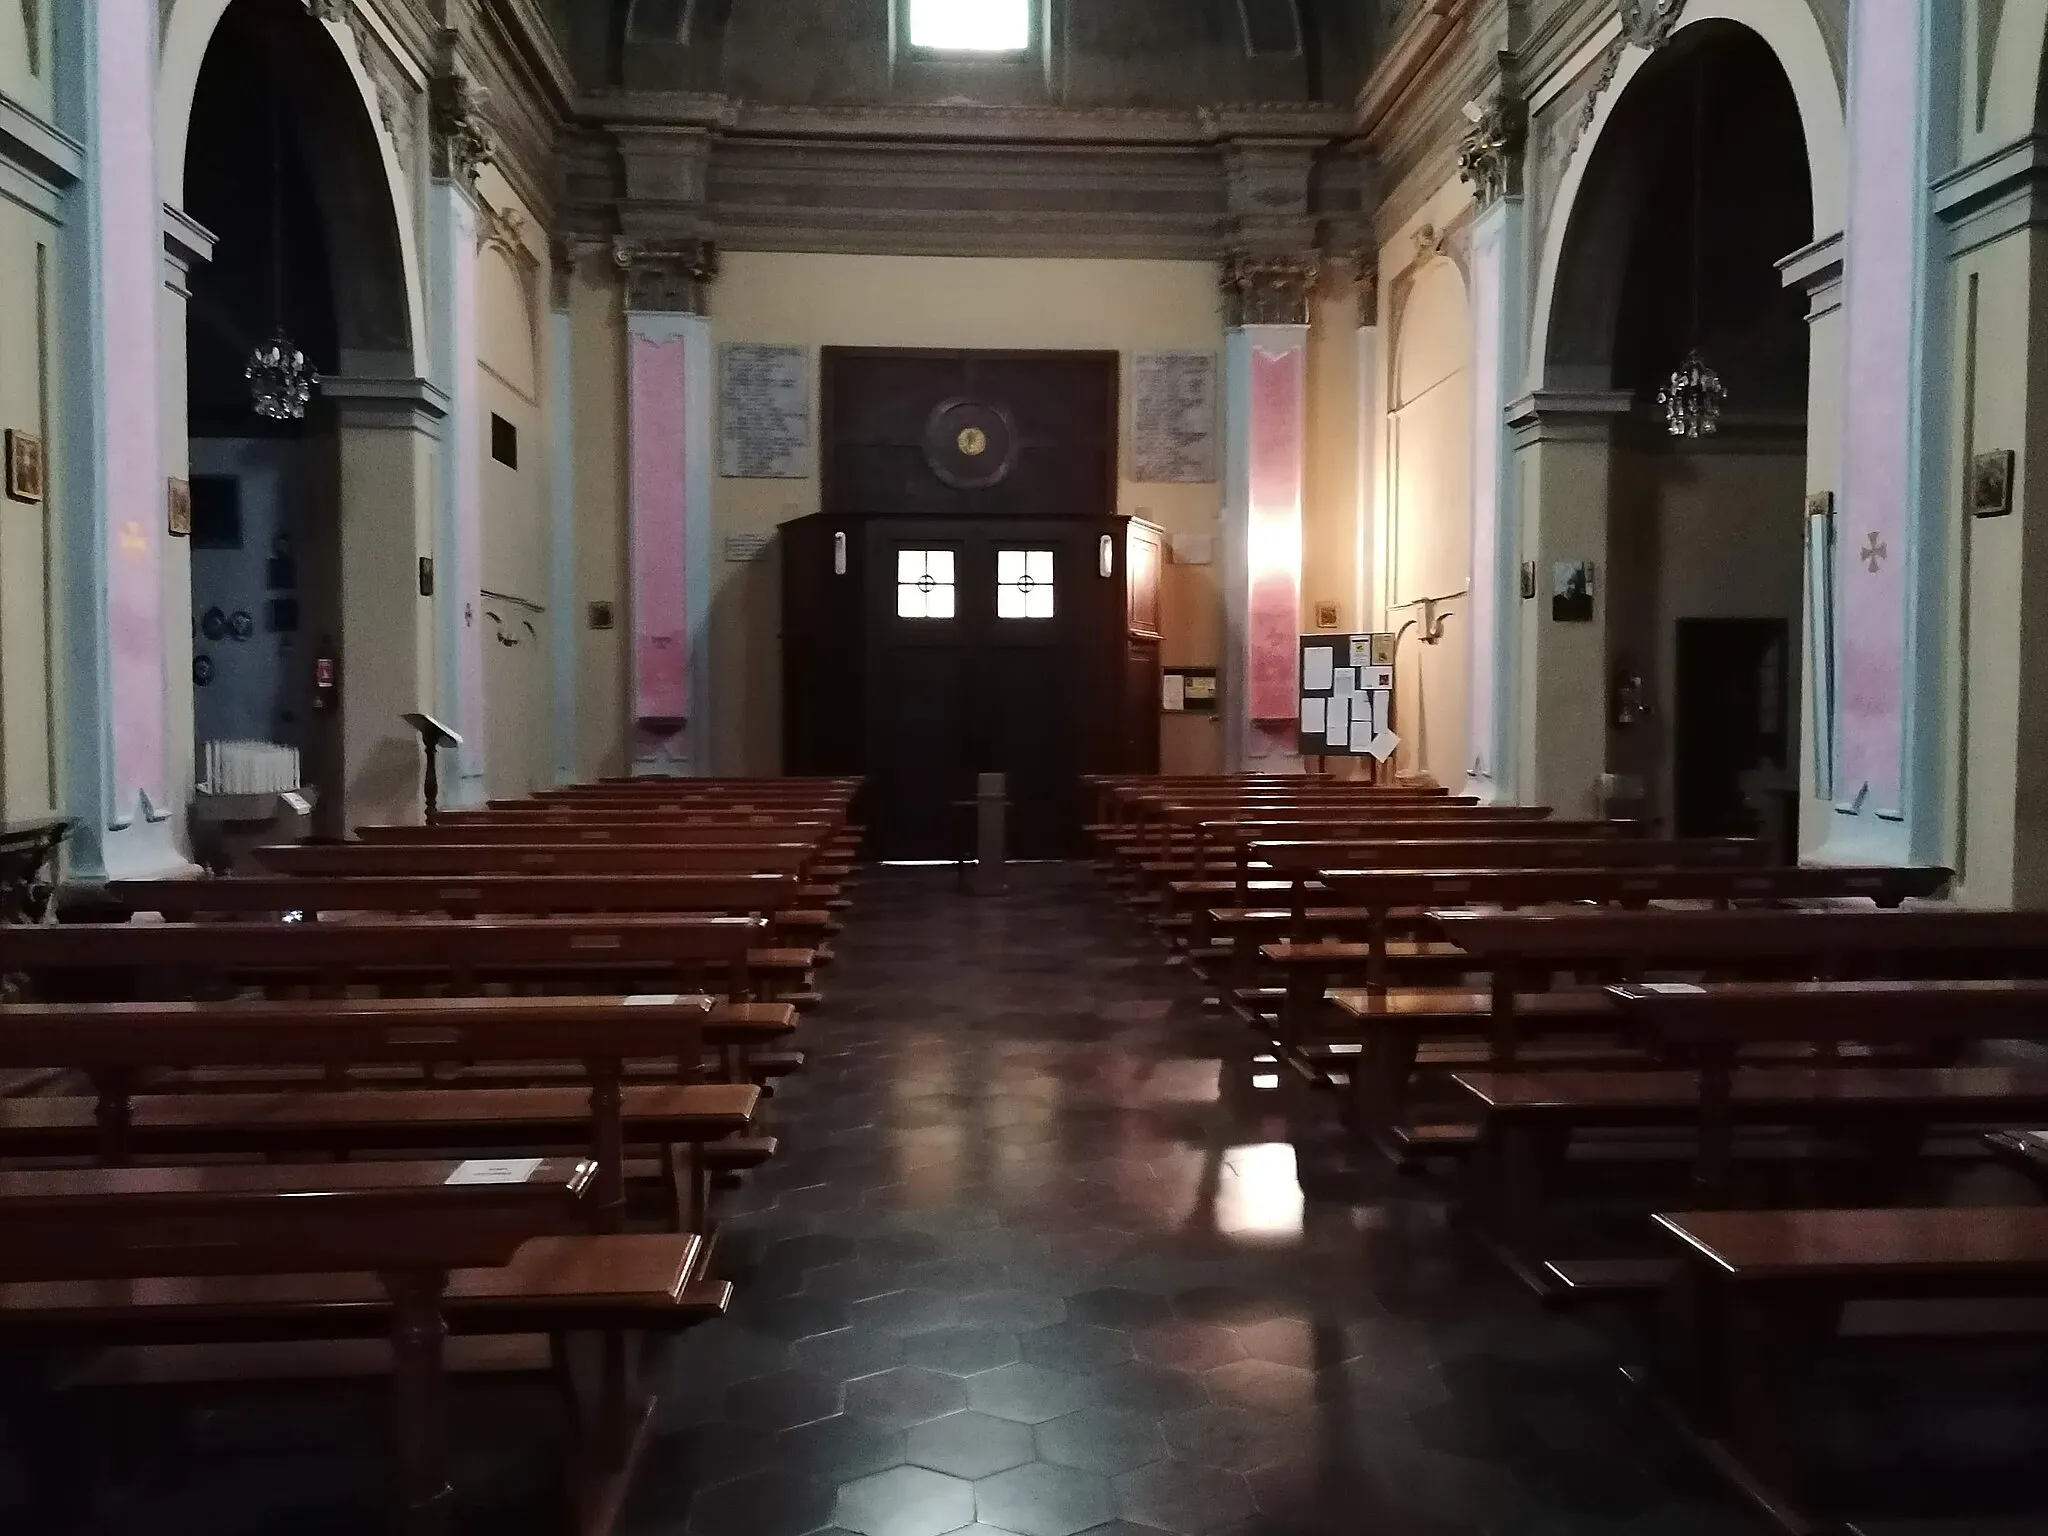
(1263, 289)
(462, 137)
(1490, 156)
(674, 278)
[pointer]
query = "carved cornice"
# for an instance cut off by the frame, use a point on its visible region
(1425, 45)
(1490, 156)
(673, 278)
(565, 254)
(1268, 290)
(1650, 23)
(462, 137)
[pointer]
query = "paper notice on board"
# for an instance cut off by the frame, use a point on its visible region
(1337, 728)
(1316, 663)
(1381, 747)
(1313, 713)
(1376, 677)
(1361, 717)
(1344, 681)
(1173, 693)
(1361, 651)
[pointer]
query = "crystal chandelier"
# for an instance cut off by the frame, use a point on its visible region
(280, 378)
(1691, 398)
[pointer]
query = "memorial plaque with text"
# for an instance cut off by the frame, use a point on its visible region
(1173, 418)
(765, 421)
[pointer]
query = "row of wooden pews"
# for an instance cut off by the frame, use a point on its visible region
(1738, 1099)
(427, 1100)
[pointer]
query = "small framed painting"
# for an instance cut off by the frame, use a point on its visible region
(1571, 591)
(25, 473)
(180, 521)
(1991, 483)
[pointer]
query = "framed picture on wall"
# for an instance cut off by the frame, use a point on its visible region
(25, 473)
(179, 520)
(1571, 591)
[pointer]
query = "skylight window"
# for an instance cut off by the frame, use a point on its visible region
(970, 26)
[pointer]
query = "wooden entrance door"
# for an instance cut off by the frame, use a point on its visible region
(981, 664)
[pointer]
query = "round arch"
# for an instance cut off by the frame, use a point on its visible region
(187, 35)
(1789, 30)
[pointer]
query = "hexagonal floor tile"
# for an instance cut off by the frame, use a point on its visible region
(906, 1395)
(1181, 1497)
(794, 1317)
(1189, 1346)
(1262, 1384)
(962, 1351)
(1148, 1389)
(1105, 1440)
(847, 1354)
(843, 1446)
(1225, 1304)
(1236, 1439)
(905, 1501)
(1043, 1500)
(969, 1444)
(1297, 1341)
(783, 1400)
(1029, 1394)
(763, 1504)
(1078, 1348)
(907, 1311)
(1015, 1308)
(1115, 1307)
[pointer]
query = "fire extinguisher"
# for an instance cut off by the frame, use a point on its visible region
(325, 677)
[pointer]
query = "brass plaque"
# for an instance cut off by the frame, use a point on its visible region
(972, 441)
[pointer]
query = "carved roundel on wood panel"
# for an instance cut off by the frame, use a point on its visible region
(969, 444)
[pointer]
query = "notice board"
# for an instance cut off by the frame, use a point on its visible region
(1347, 696)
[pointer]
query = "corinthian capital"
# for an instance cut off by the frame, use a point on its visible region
(462, 138)
(1650, 23)
(1490, 156)
(674, 276)
(1268, 289)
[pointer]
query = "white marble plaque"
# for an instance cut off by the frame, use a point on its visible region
(1173, 418)
(765, 412)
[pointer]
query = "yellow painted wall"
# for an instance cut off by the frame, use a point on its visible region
(514, 502)
(29, 358)
(598, 368)
(25, 61)
(817, 300)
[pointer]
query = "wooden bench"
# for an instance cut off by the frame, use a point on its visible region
(1762, 1293)
(1529, 1118)
(410, 1224)
(123, 1046)
(461, 861)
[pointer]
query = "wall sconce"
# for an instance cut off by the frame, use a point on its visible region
(1105, 557)
(838, 554)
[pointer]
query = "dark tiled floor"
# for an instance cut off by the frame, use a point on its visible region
(1021, 1268)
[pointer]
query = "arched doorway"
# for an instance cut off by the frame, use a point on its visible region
(1698, 188)
(282, 165)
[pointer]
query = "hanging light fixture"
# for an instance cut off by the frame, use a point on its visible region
(280, 378)
(1692, 397)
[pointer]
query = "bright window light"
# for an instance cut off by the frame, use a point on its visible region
(971, 26)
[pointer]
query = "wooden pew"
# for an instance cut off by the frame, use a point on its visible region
(463, 860)
(1759, 1299)
(121, 1044)
(1521, 951)
(1529, 1116)
(410, 1224)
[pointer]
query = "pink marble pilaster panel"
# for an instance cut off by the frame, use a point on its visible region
(661, 663)
(1277, 444)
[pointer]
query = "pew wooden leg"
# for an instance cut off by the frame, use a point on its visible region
(425, 1501)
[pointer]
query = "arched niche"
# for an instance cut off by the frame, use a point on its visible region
(1789, 30)
(362, 187)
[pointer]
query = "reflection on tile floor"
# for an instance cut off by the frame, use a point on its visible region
(1021, 1268)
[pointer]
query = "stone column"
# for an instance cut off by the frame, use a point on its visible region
(1371, 414)
(668, 430)
(1265, 454)
(390, 438)
(1490, 158)
(1562, 466)
(461, 147)
(561, 387)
